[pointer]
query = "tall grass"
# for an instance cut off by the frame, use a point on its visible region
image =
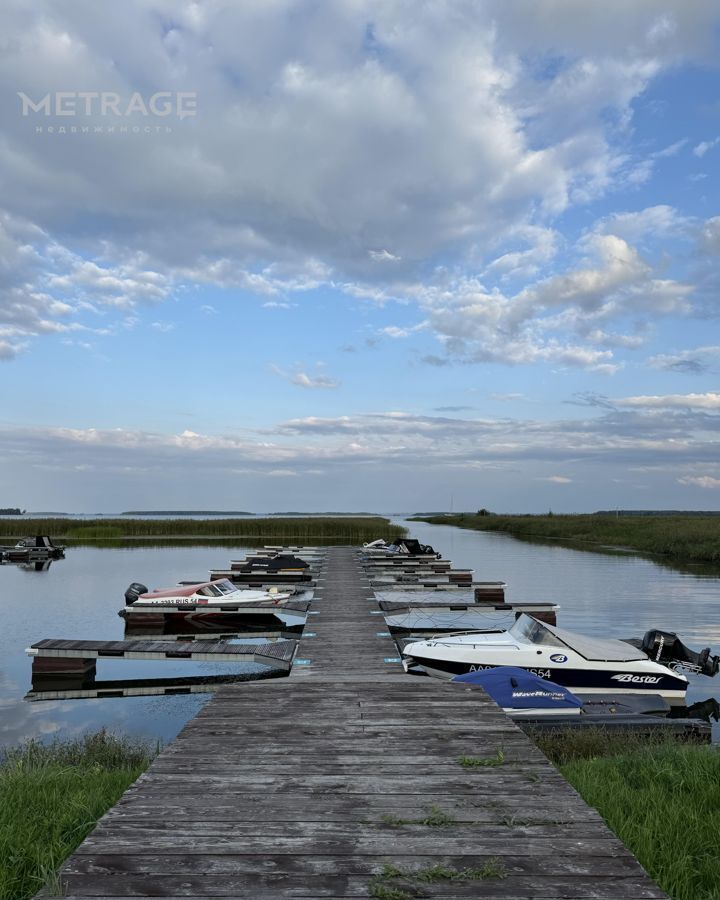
(51, 796)
(311, 528)
(688, 538)
(663, 802)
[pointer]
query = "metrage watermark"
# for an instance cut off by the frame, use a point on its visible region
(109, 105)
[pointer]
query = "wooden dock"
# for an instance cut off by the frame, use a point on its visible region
(345, 780)
(55, 656)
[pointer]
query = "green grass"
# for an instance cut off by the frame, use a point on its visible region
(349, 529)
(664, 803)
(683, 538)
(51, 796)
(474, 762)
(435, 818)
(566, 745)
(411, 880)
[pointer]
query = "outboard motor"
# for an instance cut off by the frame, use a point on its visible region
(666, 647)
(427, 548)
(134, 591)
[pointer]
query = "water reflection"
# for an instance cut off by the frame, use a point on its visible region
(37, 565)
(80, 599)
(46, 687)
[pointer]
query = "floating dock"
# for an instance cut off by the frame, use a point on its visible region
(52, 656)
(432, 617)
(347, 780)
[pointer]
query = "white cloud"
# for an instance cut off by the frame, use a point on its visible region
(709, 400)
(394, 331)
(710, 236)
(703, 481)
(302, 379)
(383, 256)
(654, 221)
(316, 381)
(674, 440)
(444, 143)
(557, 320)
(702, 148)
(427, 132)
(694, 361)
(671, 150)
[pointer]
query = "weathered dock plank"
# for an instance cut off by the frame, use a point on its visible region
(308, 786)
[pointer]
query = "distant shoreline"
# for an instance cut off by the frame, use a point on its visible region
(682, 538)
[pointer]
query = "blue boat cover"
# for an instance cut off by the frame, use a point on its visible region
(514, 688)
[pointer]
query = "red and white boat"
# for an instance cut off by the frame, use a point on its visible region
(205, 603)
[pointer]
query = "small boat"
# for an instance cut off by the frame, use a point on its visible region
(32, 548)
(281, 569)
(407, 547)
(582, 663)
(541, 705)
(210, 601)
(280, 563)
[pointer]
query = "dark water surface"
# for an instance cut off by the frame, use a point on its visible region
(78, 597)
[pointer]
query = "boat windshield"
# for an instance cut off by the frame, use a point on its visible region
(210, 590)
(535, 632)
(225, 586)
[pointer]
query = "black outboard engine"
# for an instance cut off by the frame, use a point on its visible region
(427, 548)
(134, 591)
(666, 647)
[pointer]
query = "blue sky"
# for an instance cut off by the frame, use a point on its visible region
(391, 254)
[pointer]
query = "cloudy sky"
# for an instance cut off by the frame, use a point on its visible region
(360, 255)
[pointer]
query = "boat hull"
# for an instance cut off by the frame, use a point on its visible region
(613, 679)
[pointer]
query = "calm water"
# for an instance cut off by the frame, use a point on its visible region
(78, 597)
(616, 595)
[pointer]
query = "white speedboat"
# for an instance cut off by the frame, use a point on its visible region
(207, 602)
(582, 663)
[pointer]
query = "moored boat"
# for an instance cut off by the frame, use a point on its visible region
(32, 548)
(207, 602)
(541, 705)
(584, 664)
(405, 547)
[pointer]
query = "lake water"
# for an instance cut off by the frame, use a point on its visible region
(78, 597)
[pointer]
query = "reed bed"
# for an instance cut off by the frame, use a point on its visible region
(51, 796)
(351, 530)
(684, 538)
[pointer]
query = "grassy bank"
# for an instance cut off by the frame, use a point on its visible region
(351, 530)
(661, 799)
(682, 538)
(51, 796)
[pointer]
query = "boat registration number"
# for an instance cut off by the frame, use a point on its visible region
(541, 673)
